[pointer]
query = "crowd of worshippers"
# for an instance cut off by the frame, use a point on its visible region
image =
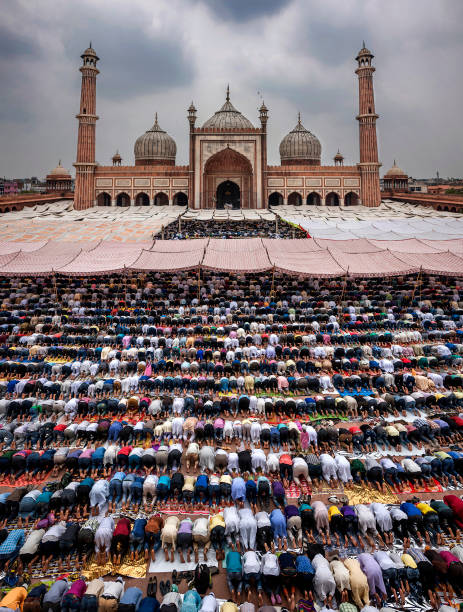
(93, 446)
(215, 228)
(304, 549)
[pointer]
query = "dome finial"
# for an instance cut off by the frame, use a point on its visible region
(228, 93)
(395, 164)
(299, 118)
(59, 162)
(90, 45)
(363, 45)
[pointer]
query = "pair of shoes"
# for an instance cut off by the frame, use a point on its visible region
(214, 570)
(164, 587)
(152, 587)
(175, 577)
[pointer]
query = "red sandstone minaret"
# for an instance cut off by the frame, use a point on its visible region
(369, 165)
(85, 163)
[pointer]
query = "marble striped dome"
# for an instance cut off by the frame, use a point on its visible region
(300, 146)
(155, 146)
(228, 118)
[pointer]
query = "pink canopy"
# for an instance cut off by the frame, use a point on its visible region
(105, 258)
(315, 263)
(42, 261)
(168, 261)
(382, 263)
(235, 261)
(360, 245)
(446, 264)
(292, 245)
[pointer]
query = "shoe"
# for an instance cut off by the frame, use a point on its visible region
(272, 599)
(168, 585)
(154, 587)
(214, 570)
(175, 577)
(162, 587)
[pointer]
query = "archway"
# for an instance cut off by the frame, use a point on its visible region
(228, 195)
(351, 199)
(122, 199)
(161, 199)
(275, 199)
(294, 199)
(332, 199)
(230, 166)
(103, 199)
(142, 199)
(6, 209)
(180, 199)
(314, 199)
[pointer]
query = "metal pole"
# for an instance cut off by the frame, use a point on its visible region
(199, 283)
(162, 232)
(272, 290)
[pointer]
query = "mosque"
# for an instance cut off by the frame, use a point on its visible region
(227, 160)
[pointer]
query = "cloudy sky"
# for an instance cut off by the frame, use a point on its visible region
(159, 55)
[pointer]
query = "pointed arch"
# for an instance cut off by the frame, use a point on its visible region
(351, 199)
(123, 199)
(332, 199)
(142, 199)
(161, 199)
(180, 199)
(314, 199)
(295, 199)
(103, 199)
(275, 199)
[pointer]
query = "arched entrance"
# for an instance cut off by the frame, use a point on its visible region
(332, 199)
(228, 195)
(351, 199)
(314, 199)
(294, 199)
(122, 199)
(180, 199)
(228, 166)
(142, 199)
(103, 199)
(275, 199)
(161, 199)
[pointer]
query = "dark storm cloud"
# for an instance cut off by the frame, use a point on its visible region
(133, 61)
(245, 10)
(13, 44)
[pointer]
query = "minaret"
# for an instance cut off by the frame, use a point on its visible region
(191, 165)
(263, 115)
(85, 163)
(369, 165)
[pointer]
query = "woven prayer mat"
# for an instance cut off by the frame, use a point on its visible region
(359, 494)
(12, 481)
(293, 491)
(128, 568)
(430, 487)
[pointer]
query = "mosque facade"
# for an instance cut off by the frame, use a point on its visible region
(227, 160)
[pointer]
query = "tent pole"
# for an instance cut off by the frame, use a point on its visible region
(54, 286)
(199, 283)
(344, 288)
(272, 290)
(418, 282)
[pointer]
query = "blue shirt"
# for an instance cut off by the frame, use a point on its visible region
(238, 490)
(202, 481)
(303, 565)
(233, 561)
(138, 531)
(14, 540)
(191, 601)
(119, 476)
(164, 480)
(410, 509)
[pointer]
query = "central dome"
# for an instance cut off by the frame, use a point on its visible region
(300, 147)
(228, 118)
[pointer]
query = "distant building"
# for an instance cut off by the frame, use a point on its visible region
(395, 179)
(417, 186)
(8, 187)
(59, 180)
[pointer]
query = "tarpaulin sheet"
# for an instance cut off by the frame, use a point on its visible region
(409, 245)
(105, 258)
(234, 245)
(14, 247)
(454, 246)
(447, 264)
(292, 245)
(310, 263)
(244, 261)
(42, 261)
(359, 245)
(382, 263)
(177, 246)
(168, 261)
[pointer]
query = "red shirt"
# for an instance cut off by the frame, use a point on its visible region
(125, 450)
(122, 527)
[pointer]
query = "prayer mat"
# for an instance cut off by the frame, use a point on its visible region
(359, 494)
(12, 481)
(430, 487)
(293, 491)
(128, 568)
